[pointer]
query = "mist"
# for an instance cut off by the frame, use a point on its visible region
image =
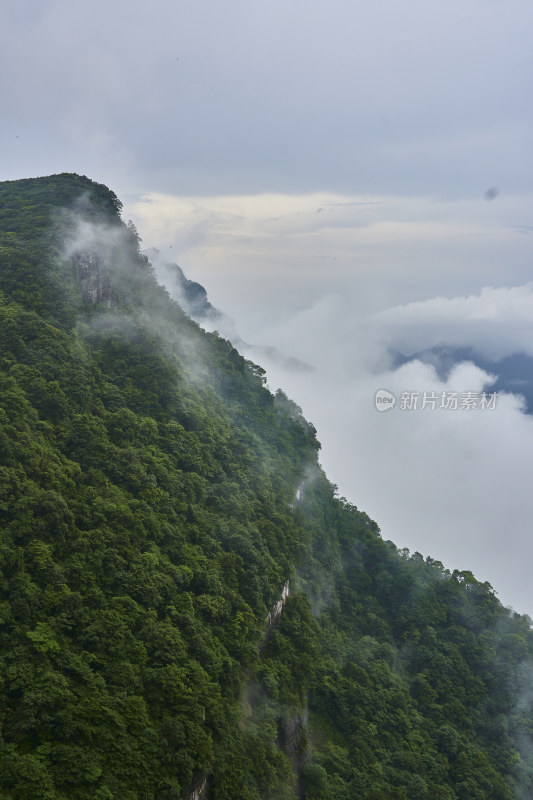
(340, 282)
(451, 484)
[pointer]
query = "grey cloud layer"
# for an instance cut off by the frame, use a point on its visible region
(248, 96)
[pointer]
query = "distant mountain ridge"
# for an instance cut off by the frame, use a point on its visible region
(513, 373)
(190, 294)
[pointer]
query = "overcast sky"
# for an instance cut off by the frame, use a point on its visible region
(343, 178)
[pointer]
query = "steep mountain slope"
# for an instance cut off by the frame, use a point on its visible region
(187, 610)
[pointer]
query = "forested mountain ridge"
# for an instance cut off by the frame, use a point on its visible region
(155, 498)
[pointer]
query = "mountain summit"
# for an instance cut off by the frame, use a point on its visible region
(187, 609)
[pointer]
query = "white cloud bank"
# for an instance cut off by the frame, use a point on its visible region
(453, 484)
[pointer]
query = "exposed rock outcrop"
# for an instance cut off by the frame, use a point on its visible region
(292, 736)
(274, 614)
(94, 278)
(197, 789)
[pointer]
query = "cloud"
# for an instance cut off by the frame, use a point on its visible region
(248, 97)
(497, 322)
(452, 484)
(269, 255)
(341, 288)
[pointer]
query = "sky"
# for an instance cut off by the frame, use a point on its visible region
(344, 178)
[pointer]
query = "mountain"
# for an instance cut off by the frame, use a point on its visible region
(513, 373)
(187, 609)
(192, 297)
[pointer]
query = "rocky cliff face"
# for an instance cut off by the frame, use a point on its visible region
(94, 279)
(292, 729)
(292, 737)
(274, 614)
(198, 788)
(191, 295)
